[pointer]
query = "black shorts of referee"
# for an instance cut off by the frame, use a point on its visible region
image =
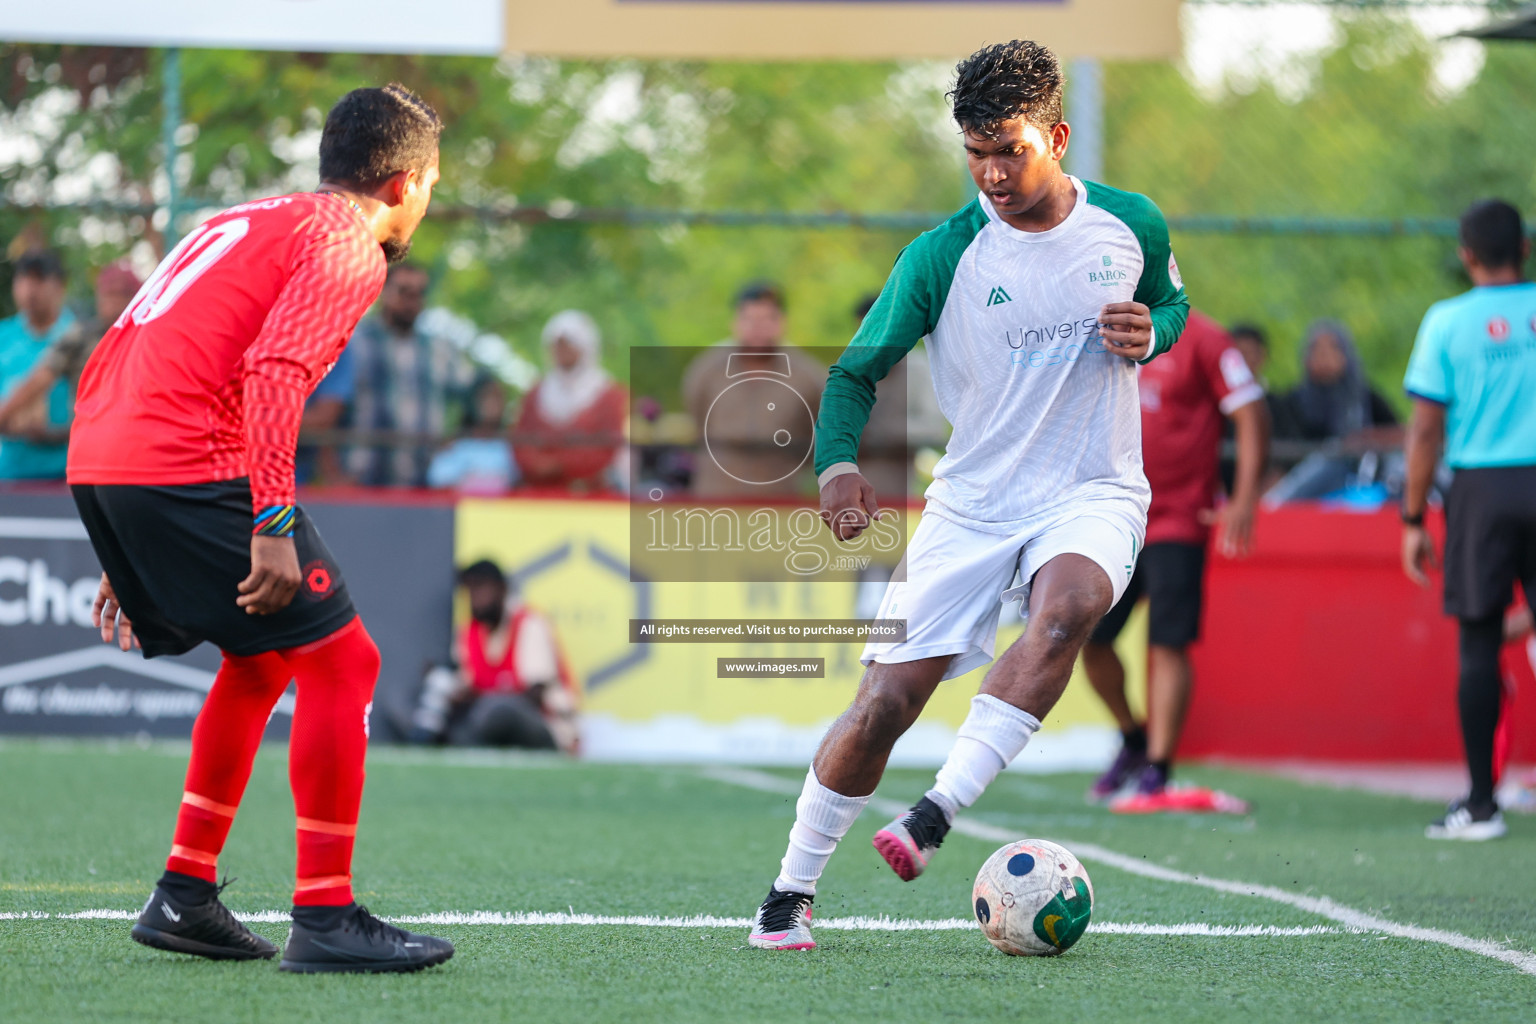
(1171, 576)
(1490, 540)
(176, 555)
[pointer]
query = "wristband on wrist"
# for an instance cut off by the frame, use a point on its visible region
(834, 471)
(1412, 520)
(276, 521)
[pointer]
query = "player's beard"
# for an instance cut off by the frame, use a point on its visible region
(395, 249)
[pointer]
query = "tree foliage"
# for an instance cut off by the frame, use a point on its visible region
(1371, 138)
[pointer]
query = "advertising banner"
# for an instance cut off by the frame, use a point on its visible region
(695, 29)
(827, 30)
(58, 678)
(753, 694)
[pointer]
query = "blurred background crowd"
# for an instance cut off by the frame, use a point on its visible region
(590, 208)
(408, 407)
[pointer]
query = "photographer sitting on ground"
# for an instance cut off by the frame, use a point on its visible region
(512, 687)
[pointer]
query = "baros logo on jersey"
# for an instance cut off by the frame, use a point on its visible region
(1173, 272)
(1498, 328)
(1109, 276)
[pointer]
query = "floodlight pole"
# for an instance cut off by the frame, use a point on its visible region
(170, 105)
(1085, 113)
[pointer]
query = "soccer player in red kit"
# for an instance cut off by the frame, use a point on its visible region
(1184, 396)
(181, 463)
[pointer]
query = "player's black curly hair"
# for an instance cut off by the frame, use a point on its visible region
(371, 134)
(1016, 79)
(1492, 229)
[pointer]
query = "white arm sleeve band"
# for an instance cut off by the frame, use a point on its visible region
(834, 471)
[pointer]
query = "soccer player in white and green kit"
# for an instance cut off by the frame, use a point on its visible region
(1037, 299)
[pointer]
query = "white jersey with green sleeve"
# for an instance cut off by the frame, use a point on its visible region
(1044, 413)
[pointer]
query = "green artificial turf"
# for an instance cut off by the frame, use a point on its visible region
(86, 826)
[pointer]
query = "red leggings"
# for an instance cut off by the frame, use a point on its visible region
(327, 749)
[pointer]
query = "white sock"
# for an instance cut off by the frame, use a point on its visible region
(822, 817)
(994, 733)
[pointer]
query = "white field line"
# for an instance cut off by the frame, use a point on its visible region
(845, 924)
(1349, 917)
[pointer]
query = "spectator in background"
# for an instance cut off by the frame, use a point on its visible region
(512, 687)
(1334, 400)
(41, 320)
(744, 440)
(325, 411)
(1251, 341)
(25, 407)
(396, 379)
(480, 463)
(570, 430)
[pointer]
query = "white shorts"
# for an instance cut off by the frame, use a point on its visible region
(957, 577)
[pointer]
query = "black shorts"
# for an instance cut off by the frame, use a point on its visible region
(1172, 577)
(176, 555)
(1490, 540)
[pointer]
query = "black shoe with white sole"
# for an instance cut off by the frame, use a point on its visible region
(351, 940)
(1469, 822)
(177, 920)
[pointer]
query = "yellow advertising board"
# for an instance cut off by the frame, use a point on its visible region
(862, 29)
(667, 699)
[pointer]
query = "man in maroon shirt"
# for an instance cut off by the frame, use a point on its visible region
(1185, 394)
(181, 463)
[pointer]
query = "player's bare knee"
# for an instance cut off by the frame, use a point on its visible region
(887, 711)
(1069, 617)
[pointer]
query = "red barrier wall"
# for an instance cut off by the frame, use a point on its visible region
(1317, 647)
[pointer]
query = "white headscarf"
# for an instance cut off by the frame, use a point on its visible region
(565, 394)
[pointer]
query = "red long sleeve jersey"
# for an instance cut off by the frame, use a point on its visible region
(205, 375)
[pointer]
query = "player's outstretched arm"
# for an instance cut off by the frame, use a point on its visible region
(107, 615)
(907, 309)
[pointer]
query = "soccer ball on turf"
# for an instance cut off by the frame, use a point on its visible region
(1032, 898)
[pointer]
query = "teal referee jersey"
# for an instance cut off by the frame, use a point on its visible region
(1476, 355)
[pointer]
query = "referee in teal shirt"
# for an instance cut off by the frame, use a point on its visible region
(1472, 378)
